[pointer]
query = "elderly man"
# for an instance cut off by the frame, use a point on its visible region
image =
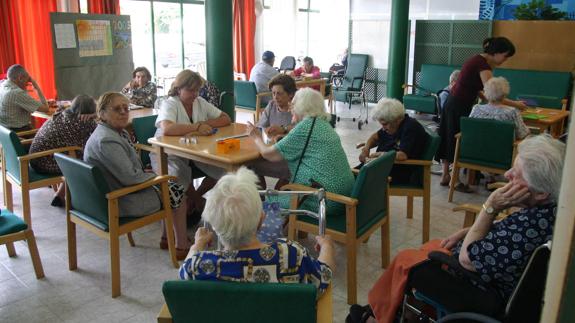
(263, 72)
(15, 103)
(308, 69)
(398, 132)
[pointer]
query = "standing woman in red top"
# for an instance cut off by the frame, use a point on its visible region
(469, 86)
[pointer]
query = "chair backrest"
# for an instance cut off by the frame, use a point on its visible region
(370, 188)
(547, 89)
(12, 149)
(144, 129)
(487, 142)
(287, 64)
(202, 301)
(357, 64)
(87, 187)
(526, 302)
(433, 77)
(245, 94)
(429, 152)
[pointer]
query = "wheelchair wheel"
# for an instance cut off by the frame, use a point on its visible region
(359, 124)
(338, 119)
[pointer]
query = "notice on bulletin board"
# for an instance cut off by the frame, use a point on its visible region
(94, 37)
(122, 34)
(65, 36)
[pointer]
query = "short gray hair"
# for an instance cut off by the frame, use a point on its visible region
(234, 208)
(15, 71)
(496, 89)
(542, 158)
(454, 76)
(82, 104)
(308, 102)
(388, 110)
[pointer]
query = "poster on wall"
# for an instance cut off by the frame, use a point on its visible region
(65, 36)
(94, 37)
(505, 9)
(122, 34)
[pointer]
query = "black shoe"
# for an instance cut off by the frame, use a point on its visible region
(57, 202)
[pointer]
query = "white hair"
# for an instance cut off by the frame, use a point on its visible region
(388, 110)
(454, 76)
(233, 208)
(15, 71)
(308, 102)
(542, 158)
(496, 89)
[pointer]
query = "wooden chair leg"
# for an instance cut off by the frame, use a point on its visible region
(131, 239)
(454, 180)
(8, 201)
(351, 271)
(72, 252)
(410, 207)
(26, 206)
(115, 264)
(426, 211)
(385, 244)
(36, 261)
(169, 223)
(10, 249)
(469, 219)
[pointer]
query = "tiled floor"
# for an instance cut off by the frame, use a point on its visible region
(84, 295)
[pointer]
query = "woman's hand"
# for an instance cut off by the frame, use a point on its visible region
(321, 242)
(450, 242)
(510, 195)
(364, 154)
(205, 129)
(274, 130)
(253, 131)
(520, 105)
(203, 238)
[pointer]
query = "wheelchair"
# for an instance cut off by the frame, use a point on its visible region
(440, 290)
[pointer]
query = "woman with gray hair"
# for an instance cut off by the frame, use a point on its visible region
(312, 150)
(497, 250)
(496, 89)
(234, 210)
(70, 127)
(398, 132)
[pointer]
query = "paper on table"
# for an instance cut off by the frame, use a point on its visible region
(65, 36)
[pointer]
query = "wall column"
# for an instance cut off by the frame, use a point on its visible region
(397, 48)
(219, 50)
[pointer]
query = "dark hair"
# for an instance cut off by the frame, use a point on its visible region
(142, 69)
(185, 79)
(498, 45)
(308, 59)
(286, 81)
(82, 104)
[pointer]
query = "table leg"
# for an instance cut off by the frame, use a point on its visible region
(162, 161)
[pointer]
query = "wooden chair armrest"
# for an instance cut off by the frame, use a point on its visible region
(458, 135)
(264, 94)
(495, 185)
(45, 153)
(564, 104)
(468, 207)
(26, 132)
(325, 307)
(145, 147)
(330, 196)
(355, 171)
(138, 187)
(418, 162)
(165, 316)
(360, 145)
(26, 142)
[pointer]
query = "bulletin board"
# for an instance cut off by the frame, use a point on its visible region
(92, 53)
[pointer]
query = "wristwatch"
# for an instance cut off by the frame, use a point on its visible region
(284, 128)
(488, 209)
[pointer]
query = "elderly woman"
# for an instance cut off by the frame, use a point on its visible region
(70, 127)
(234, 210)
(276, 122)
(497, 250)
(111, 150)
(183, 113)
(140, 90)
(398, 132)
(312, 150)
(495, 91)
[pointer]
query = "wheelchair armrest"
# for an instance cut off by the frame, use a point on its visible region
(467, 317)
(453, 264)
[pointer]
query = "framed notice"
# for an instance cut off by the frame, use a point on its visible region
(94, 37)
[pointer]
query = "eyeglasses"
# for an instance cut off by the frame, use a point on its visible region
(120, 109)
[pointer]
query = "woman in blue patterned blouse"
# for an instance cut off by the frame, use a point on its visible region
(234, 210)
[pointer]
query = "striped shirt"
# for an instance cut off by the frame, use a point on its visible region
(15, 106)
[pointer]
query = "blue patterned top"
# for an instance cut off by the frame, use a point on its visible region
(501, 256)
(281, 262)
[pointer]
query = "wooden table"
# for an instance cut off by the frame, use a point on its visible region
(551, 119)
(137, 113)
(308, 82)
(205, 149)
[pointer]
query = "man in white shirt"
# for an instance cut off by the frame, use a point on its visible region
(263, 72)
(15, 103)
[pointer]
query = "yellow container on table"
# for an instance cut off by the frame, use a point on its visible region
(228, 146)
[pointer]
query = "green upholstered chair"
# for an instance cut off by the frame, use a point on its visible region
(247, 98)
(12, 229)
(431, 79)
(547, 89)
(144, 129)
(483, 145)
(421, 182)
(366, 210)
(203, 301)
(91, 204)
(17, 171)
(352, 84)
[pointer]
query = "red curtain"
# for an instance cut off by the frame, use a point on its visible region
(26, 39)
(244, 33)
(110, 7)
